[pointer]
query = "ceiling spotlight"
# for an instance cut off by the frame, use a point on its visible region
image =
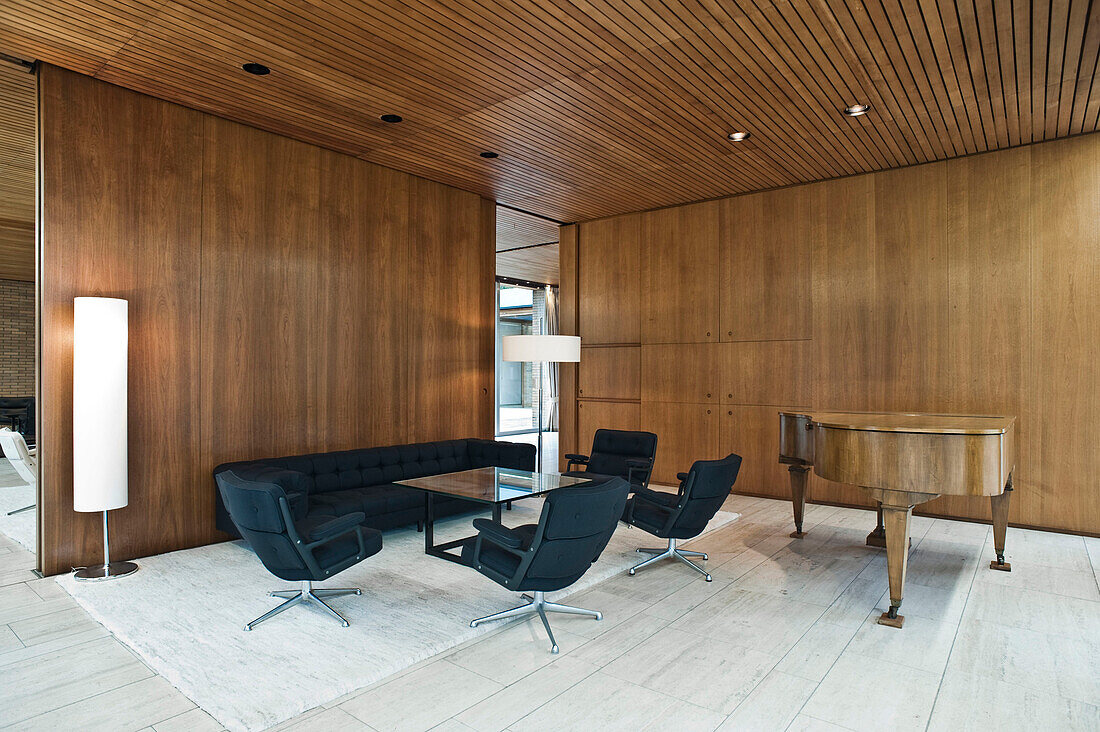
(488, 154)
(738, 136)
(258, 69)
(857, 110)
(391, 118)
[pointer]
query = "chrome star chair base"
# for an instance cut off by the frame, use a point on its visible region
(309, 596)
(671, 552)
(539, 604)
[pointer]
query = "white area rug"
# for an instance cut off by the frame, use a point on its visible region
(14, 493)
(183, 613)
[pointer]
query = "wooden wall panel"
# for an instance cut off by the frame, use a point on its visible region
(610, 372)
(750, 431)
(845, 298)
(1062, 379)
(120, 217)
(765, 265)
(685, 433)
(609, 281)
(962, 286)
(592, 416)
(567, 324)
(687, 372)
(451, 325)
(680, 274)
(766, 372)
(283, 298)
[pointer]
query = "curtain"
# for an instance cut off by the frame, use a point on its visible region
(552, 328)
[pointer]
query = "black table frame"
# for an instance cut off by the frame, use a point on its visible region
(441, 550)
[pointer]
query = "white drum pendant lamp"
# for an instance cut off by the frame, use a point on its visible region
(100, 344)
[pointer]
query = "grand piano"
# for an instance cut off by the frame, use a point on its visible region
(902, 460)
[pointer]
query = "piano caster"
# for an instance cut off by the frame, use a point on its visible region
(1000, 564)
(891, 618)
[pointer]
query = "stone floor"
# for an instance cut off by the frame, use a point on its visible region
(783, 638)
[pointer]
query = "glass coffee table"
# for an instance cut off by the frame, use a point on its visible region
(492, 486)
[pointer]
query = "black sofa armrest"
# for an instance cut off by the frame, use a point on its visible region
(319, 528)
(498, 533)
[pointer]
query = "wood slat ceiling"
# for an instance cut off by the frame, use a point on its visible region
(17, 120)
(516, 229)
(526, 247)
(599, 107)
(536, 264)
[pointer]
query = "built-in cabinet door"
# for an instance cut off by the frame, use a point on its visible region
(680, 268)
(594, 415)
(766, 245)
(610, 280)
(686, 372)
(685, 433)
(609, 372)
(753, 433)
(766, 372)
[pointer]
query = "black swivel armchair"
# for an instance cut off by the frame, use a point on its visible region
(575, 526)
(292, 547)
(683, 515)
(617, 453)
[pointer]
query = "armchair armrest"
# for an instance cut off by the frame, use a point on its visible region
(320, 529)
(660, 500)
(498, 534)
(575, 459)
(681, 476)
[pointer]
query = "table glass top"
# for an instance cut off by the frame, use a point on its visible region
(492, 485)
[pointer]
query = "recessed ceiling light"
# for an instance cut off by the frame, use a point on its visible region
(258, 69)
(391, 118)
(857, 110)
(738, 136)
(488, 154)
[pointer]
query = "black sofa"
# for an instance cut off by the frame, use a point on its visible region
(361, 481)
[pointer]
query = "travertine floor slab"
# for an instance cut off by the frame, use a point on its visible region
(783, 638)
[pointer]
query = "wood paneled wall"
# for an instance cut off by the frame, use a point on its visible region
(959, 286)
(283, 299)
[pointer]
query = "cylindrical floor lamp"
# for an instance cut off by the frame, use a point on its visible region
(100, 344)
(541, 349)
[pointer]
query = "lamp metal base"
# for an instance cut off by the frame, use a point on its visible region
(104, 571)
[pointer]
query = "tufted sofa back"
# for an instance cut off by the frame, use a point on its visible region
(335, 471)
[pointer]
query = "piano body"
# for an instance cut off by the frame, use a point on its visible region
(902, 460)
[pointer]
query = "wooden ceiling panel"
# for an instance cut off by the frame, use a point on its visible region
(516, 229)
(17, 121)
(600, 107)
(537, 264)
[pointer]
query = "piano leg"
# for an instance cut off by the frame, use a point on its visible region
(1000, 527)
(878, 536)
(897, 509)
(799, 474)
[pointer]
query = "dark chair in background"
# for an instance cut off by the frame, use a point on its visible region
(575, 525)
(683, 515)
(296, 548)
(18, 413)
(617, 453)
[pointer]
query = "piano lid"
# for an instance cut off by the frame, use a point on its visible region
(950, 424)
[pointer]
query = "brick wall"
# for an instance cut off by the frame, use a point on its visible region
(16, 338)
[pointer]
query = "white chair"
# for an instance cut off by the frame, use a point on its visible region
(23, 460)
